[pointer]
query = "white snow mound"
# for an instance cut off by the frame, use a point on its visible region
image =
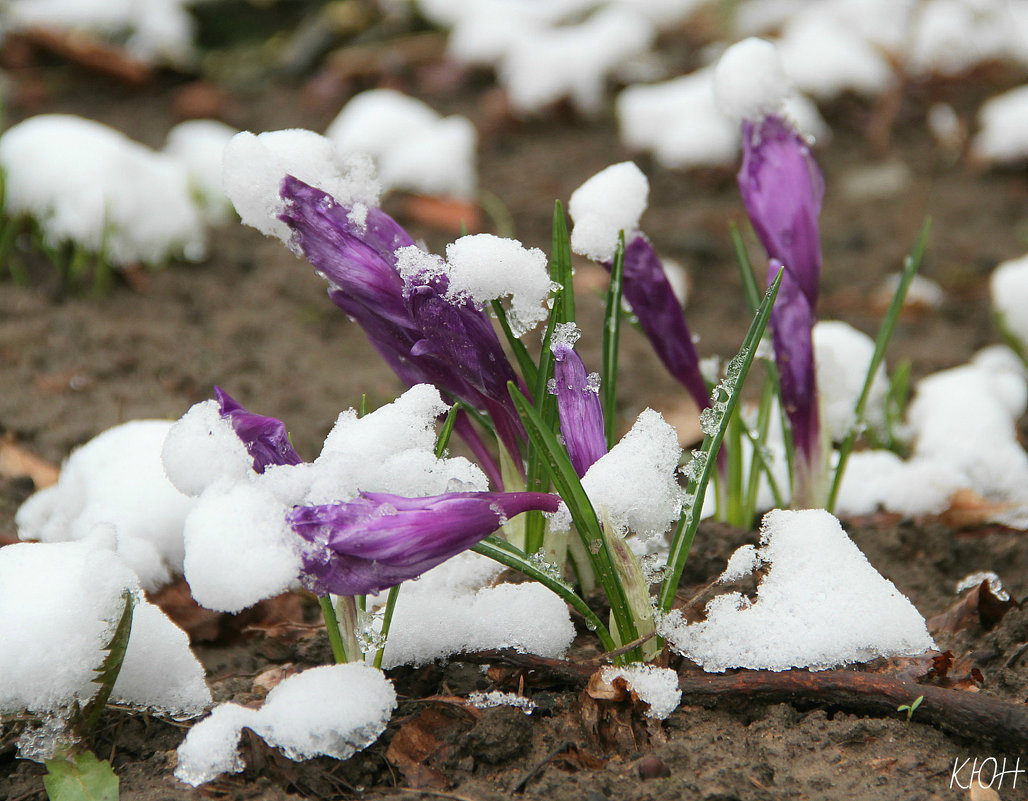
(820, 605)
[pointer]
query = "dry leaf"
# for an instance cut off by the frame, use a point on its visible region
(968, 509)
(978, 606)
(91, 53)
(421, 747)
(16, 462)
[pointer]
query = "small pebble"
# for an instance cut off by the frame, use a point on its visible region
(652, 767)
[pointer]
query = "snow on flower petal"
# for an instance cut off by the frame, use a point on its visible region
(379, 540)
(254, 166)
(609, 202)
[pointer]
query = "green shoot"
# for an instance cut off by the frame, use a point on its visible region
(910, 268)
(910, 708)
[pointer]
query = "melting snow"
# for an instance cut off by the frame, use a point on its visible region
(655, 686)
(334, 710)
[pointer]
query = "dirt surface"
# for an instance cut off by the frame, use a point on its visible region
(256, 321)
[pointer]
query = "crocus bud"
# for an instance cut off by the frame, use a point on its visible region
(649, 293)
(422, 335)
(378, 540)
(782, 188)
(266, 438)
(578, 404)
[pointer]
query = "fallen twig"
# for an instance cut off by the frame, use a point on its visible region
(971, 715)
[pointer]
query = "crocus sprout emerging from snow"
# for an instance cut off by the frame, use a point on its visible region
(378, 540)
(782, 188)
(423, 336)
(266, 438)
(578, 404)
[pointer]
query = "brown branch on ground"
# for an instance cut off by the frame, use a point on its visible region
(971, 715)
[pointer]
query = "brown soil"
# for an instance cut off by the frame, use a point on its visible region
(256, 321)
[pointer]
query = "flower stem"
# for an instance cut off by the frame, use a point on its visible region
(335, 639)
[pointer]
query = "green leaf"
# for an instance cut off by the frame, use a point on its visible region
(612, 339)
(107, 673)
(569, 487)
(738, 369)
(80, 776)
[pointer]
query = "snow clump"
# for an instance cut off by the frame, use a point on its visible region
(749, 82)
(59, 606)
(91, 185)
(255, 164)
(117, 480)
(1008, 286)
(481, 268)
(334, 710)
(633, 487)
(819, 605)
(198, 145)
(843, 355)
(611, 201)
(1002, 137)
(414, 148)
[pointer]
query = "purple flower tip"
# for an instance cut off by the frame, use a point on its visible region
(378, 540)
(660, 315)
(266, 438)
(782, 189)
(578, 404)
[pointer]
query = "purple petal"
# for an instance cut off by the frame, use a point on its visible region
(791, 324)
(461, 337)
(578, 403)
(782, 188)
(266, 438)
(424, 338)
(378, 540)
(660, 315)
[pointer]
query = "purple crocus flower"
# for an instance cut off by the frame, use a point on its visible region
(782, 189)
(660, 315)
(266, 438)
(424, 336)
(578, 404)
(378, 540)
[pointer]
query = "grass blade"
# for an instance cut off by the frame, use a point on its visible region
(910, 268)
(107, 673)
(568, 485)
(706, 457)
(612, 340)
(506, 554)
